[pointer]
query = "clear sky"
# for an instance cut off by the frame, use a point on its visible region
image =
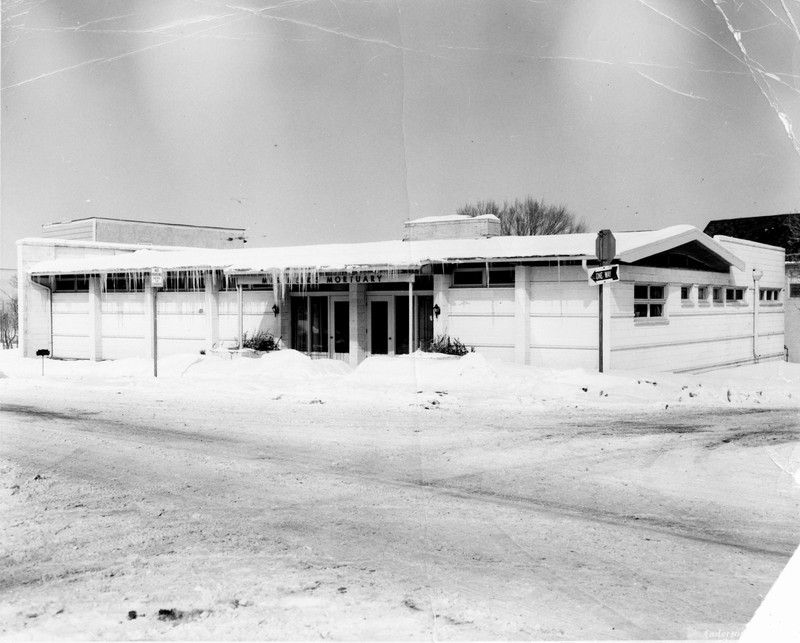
(314, 121)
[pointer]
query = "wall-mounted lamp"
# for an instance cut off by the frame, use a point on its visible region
(436, 310)
(275, 309)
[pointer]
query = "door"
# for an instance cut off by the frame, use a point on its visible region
(380, 342)
(318, 326)
(401, 325)
(340, 328)
(424, 334)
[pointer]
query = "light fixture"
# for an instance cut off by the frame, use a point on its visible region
(275, 309)
(436, 310)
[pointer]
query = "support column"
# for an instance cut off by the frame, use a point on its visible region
(441, 288)
(211, 306)
(411, 317)
(240, 314)
(522, 315)
(358, 324)
(95, 319)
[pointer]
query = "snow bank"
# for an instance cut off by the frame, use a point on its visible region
(470, 379)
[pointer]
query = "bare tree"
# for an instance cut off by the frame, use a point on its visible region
(528, 216)
(9, 316)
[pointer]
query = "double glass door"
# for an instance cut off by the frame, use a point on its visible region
(388, 330)
(321, 326)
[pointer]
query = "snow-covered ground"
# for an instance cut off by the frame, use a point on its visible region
(773, 383)
(412, 497)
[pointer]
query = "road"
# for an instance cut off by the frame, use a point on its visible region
(336, 520)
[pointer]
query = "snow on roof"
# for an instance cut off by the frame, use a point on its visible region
(388, 255)
(452, 217)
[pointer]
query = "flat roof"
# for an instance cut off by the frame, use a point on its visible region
(159, 223)
(295, 261)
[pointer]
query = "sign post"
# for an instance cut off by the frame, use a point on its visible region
(606, 249)
(43, 352)
(156, 281)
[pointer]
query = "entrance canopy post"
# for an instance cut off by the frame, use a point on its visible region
(240, 314)
(410, 317)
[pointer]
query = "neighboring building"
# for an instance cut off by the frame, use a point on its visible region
(778, 230)
(684, 302)
(145, 232)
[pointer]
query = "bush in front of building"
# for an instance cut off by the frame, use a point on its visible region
(260, 341)
(448, 346)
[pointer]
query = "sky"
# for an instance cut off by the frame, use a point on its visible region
(316, 121)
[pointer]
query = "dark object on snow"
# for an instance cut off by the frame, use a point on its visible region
(448, 346)
(132, 615)
(43, 352)
(38, 477)
(169, 615)
(260, 341)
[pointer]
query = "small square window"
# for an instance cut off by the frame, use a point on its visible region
(702, 293)
(648, 301)
(685, 293)
(794, 291)
(734, 294)
(717, 294)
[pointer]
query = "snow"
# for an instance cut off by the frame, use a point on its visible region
(471, 389)
(293, 264)
(773, 383)
(452, 217)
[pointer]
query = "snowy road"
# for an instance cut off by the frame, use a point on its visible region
(376, 519)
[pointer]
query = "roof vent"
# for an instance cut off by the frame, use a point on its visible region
(454, 226)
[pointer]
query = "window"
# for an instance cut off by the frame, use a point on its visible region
(648, 301)
(734, 294)
(501, 277)
(685, 291)
(717, 294)
(183, 282)
(769, 294)
(794, 291)
(468, 277)
(121, 282)
(72, 283)
(702, 294)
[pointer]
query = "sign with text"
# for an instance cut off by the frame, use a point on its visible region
(603, 274)
(363, 278)
(157, 277)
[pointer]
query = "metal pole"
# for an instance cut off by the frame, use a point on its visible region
(155, 332)
(600, 343)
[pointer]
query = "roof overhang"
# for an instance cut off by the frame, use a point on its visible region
(680, 238)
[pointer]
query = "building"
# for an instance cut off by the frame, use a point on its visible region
(779, 230)
(684, 301)
(145, 232)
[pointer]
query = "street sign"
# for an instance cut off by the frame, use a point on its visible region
(603, 274)
(605, 247)
(157, 277)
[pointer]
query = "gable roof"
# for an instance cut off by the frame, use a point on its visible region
(391, 255)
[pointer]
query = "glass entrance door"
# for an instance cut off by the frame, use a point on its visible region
(340, 328)
(380, 342)
(318, 326)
